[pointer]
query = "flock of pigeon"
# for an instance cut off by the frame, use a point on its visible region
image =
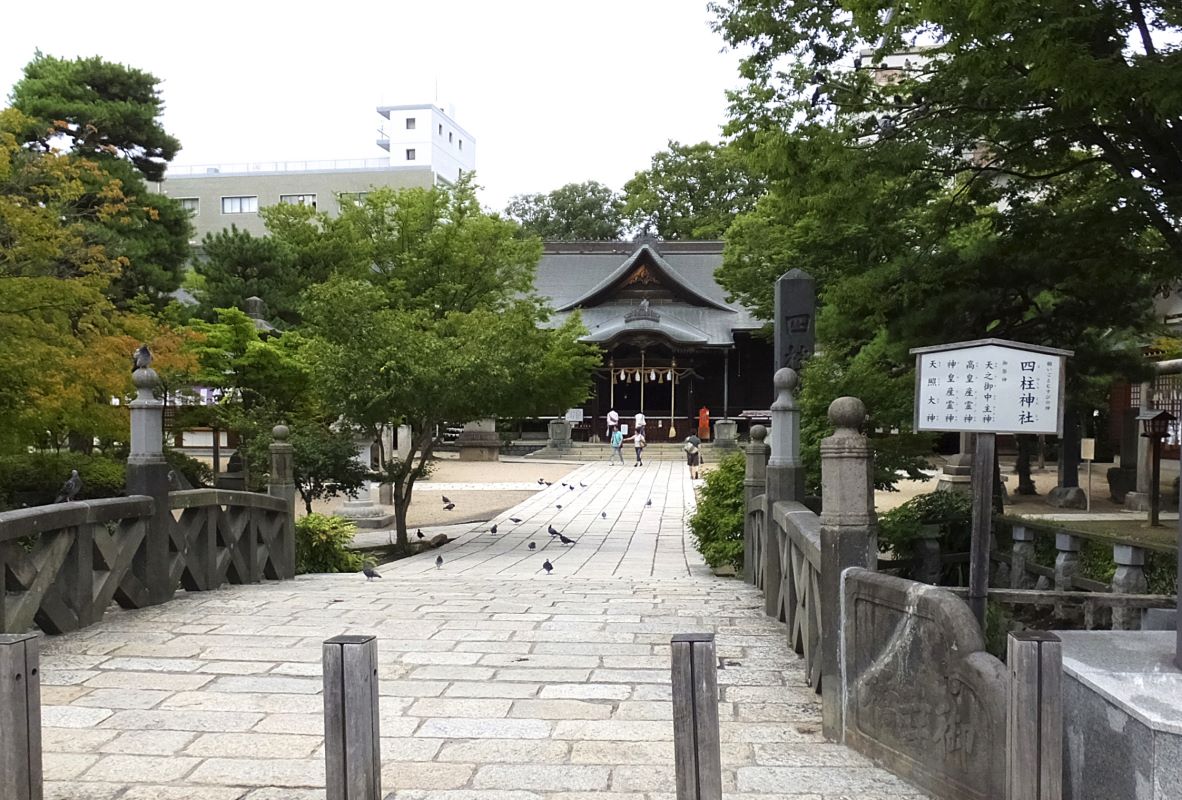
(448, 505)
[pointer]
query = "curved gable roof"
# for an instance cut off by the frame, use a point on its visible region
(603, 290)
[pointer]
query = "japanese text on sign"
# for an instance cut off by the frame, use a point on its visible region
(988, 388)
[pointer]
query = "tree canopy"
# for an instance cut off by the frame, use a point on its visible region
(586, 211)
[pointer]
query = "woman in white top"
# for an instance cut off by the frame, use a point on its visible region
(639, 422)
(613, 423)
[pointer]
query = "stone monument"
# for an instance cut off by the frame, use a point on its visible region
(479, 441)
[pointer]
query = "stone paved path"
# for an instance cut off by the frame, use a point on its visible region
(498, 682)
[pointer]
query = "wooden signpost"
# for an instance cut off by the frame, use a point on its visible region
(987, 387)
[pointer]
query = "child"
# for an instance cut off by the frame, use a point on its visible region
(693, 456)
(617, 447)
(638, 442)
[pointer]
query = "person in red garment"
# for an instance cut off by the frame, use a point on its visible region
(703, 423)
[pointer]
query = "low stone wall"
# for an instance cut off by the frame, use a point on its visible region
(920, 695)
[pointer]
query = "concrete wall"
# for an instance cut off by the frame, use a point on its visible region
(209, 189)
(438, 141)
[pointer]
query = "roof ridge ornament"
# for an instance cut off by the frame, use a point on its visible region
(642, 311)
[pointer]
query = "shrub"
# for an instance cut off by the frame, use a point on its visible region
(717, 525)
(197, 473)
(321, 545)
(33, 479)
(900, 528)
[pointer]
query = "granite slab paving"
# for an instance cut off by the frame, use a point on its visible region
(497, 681)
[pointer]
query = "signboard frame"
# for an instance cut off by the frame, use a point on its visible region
(921, 352)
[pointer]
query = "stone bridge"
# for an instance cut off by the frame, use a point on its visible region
(498, 681)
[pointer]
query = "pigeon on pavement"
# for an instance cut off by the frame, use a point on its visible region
(571, 487)
(515, 520)
(493, 529)
(565, 540)
(582, 484)
(449, 506)
(419, 533)
(546, 565)
(445, 499)
(648, 502)
(533, 546)
(370, 573)
(541, 481)
(550, 530)
(438, 562)
(558, 505)
(604, 515)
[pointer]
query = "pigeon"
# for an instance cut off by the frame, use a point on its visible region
(445, 499)
(438, 562)
(565, 540)
(550, 530)
(571, 487)
(449, 506)
(582, 484)
(648, 502)
(563, 483)
(533, 546)
(141, 358)
(548, 483)
(604, 515)
(515, 520)
(493, 530)
(370, 573)
(541, 481)
(419, 533)
(558, 505)
(70, 488)
(546, 565)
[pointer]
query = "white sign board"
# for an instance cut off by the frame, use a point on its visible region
(989, 387)
(574, 415)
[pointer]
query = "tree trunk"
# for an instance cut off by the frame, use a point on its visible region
(1026, 445)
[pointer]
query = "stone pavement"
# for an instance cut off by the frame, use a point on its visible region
(498, 682)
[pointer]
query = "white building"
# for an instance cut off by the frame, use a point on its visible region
(425, 135)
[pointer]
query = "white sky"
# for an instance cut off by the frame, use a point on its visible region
(554, 91)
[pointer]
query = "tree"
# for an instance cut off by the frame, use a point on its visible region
(238, 265)
(109, 115)
(691, 191)
(441, 328)
(102, 108)
(576, 212)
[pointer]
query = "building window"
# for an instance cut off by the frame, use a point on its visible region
(440, 130)
(240, 205)
(461, 144)
(410, 123)
(410, 154)
(449, 135)
(190, 204)
(352, 197)
(298, 199)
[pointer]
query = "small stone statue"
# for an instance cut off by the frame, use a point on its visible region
(142, 358)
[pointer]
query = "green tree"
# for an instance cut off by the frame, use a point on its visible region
(691, 191)
(102, 108)
(442, 328)
(108, 114)
(238, 265)
(576, 212)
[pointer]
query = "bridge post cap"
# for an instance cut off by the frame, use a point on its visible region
(145, 378)
(758, 433)
(847, 412)
(280, 433)
(785, 379)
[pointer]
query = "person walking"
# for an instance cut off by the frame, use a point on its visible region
(693, 455)
(640, 422)
(638, 442)
(613, 423)
(617, 444)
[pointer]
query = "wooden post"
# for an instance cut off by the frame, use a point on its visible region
(982, 524)
(697, 753)
(20, 717)
(1034, 727)
(352, 740)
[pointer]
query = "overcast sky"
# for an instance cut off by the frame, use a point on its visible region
(554, 91)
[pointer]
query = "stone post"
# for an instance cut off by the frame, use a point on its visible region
(1129, 578)
(785, 480)
(1139, 500)
(1022, 553)
(147, 474)
(849, 538)
(282, 485)
(754, 484)
(1066, 568)
(479, 441)
(726, 434)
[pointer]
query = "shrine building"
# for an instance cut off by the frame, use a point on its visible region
(671, 342)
